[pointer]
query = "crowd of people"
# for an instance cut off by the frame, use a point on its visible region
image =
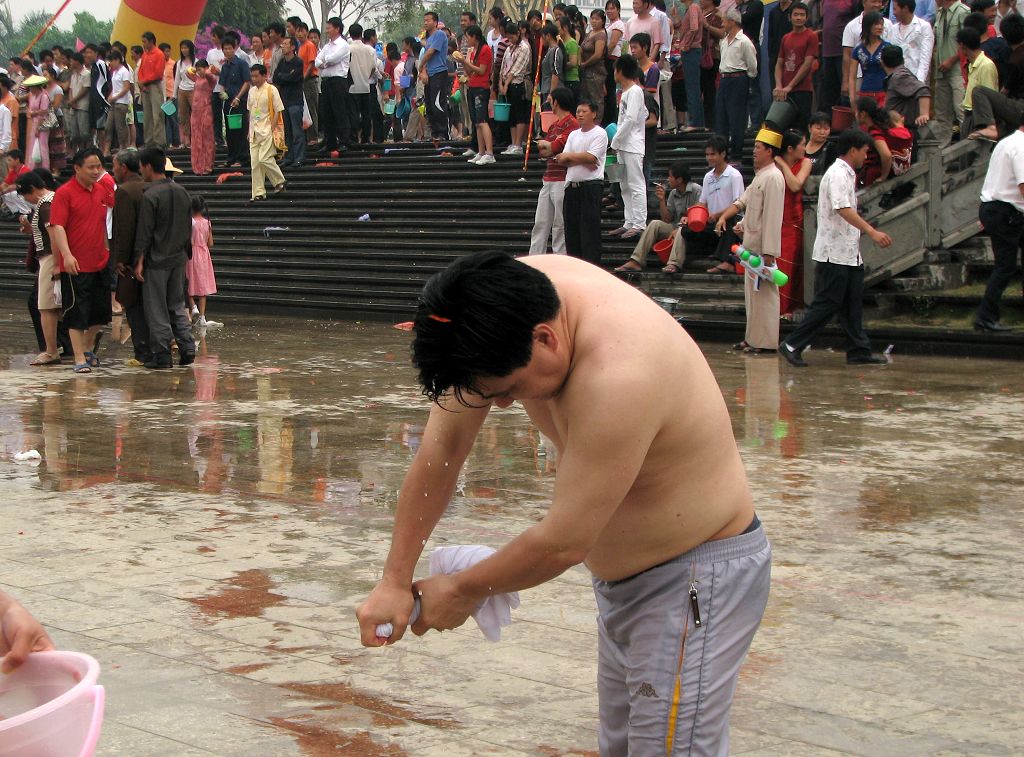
(605, 88)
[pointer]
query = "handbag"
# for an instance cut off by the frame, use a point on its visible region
(49, 120)
(280, 145)
(127, 291)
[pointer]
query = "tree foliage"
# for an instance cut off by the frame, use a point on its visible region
(85, 27)
(246, 15)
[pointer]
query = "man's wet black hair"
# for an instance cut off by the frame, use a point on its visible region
(476, 319)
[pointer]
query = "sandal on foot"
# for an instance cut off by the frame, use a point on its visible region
(82, 368)
(46, 358)
(724, 268)
(741, 346)
(279, 188)
(670, 269)
(92, 360)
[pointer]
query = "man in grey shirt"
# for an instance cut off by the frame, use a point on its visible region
(904, 92)
(162, 246)
(672, 206)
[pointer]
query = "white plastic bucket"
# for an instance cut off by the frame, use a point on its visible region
(51, 705)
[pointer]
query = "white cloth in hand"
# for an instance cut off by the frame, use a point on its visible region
(493, 614)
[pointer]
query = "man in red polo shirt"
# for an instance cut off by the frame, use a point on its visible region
(150, 77)
(548, 219)
(78, 217)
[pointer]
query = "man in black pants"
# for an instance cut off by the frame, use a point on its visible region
(127, 203)
(584, 155)
(434, 75)
(839, 273)
(333, 61)
(1002, 214)
(234, 77)
(162, 247)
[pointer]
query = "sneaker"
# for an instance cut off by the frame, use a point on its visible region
(477, 157)
(195, 311)
(513, 150)
(469, 153)
(486, 160)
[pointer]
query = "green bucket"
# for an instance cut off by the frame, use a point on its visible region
(234, 120)
(169, 108)
(502, 109)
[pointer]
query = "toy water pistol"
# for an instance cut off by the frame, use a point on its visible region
(752, 262)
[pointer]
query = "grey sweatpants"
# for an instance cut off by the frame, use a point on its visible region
(163, 301)
(665, 682)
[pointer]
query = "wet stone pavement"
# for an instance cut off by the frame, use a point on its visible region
(206, 534)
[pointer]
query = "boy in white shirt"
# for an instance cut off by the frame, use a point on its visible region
(629, 146)
(120, 100)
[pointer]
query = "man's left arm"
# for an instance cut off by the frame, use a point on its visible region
(603, 456)
(927, 48)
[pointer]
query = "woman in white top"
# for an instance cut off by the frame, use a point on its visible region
(495, 28)
(616, 29)
(184, 88)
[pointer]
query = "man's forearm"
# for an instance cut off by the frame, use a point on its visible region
(854, 218)
(422, 501)
(59, 240)
(528, 560)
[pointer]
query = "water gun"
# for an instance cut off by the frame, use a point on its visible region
(753, 263)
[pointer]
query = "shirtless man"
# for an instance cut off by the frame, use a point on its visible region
(651, 496)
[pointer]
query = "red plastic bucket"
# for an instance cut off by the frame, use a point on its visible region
(663, 249)
(697, 218)
(842, 118)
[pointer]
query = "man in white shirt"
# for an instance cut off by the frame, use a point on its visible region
(644, 21)
(76, 104)
(666, 31)
(722, 186)
(333, 60)
(851, 38)
(584, 154)
(915, 36)
(362, 66)
(629, 146)
(215, 57)
(839, 273)
(120, 99)
(5, 129)
(738, 68)
(1002, 214)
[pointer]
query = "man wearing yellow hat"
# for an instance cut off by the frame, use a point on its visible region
(761, 230)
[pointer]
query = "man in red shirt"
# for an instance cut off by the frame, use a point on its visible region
(15, 168)
(548, 219)
(150, 77)
(78, 218)
(795, 67)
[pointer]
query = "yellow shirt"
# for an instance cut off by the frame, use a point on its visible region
(259, 103)
(981, 73)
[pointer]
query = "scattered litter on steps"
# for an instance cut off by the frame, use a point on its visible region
(364, 217)
(268, 230)
(29, 456)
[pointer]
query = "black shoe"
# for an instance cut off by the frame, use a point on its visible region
(793, 358)
(995, 326)
(867, 360)
(158, 364)
(186, 359)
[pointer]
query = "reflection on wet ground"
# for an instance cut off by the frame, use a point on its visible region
(207, 534)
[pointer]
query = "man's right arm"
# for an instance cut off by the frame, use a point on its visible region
(422, 500)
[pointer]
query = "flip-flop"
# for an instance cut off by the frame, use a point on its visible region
(671, 269)
(82, 368)
(91, 360)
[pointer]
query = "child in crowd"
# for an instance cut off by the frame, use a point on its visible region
(199, 269)
(630, 147)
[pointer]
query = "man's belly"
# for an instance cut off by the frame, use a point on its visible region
(641, 536)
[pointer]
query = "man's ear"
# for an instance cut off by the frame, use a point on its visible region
(545, 335)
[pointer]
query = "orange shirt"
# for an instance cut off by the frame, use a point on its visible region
(12, 105)
(169, 78)
(307, 51)
(151, 66)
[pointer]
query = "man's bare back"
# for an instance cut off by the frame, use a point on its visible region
(692, 486)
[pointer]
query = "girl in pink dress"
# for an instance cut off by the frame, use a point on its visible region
(203, 146)
(201, 281)
(38, 109)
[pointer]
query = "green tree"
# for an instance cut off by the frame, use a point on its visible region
(409, 22)
(86, 27)
(246, 15)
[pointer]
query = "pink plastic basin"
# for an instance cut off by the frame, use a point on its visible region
(51, 705)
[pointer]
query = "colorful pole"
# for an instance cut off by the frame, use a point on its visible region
(171, 22)
(535, 100)
(45, 28)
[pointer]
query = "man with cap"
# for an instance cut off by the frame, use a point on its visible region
(762, 205)
(162, 242)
